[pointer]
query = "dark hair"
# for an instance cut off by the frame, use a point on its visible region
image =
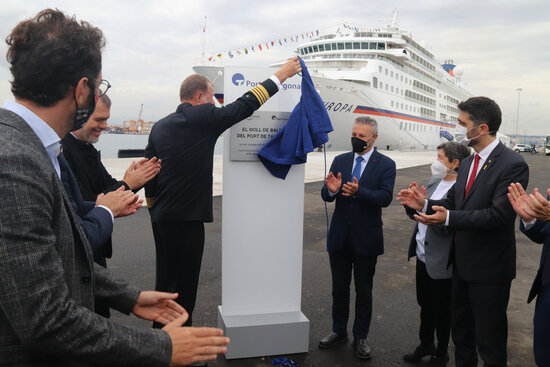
(454, 150)
(483, 110)
(50, 53)
(105, 100)
(193, 84)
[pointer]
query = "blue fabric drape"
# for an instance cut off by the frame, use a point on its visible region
(306, 129)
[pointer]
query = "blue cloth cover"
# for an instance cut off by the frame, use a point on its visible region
(306, 129)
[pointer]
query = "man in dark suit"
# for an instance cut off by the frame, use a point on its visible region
(534, 211)
(484, 248)
(180, 197)
(90, 173)
(47, 277)
(355, 237)
(93, 179)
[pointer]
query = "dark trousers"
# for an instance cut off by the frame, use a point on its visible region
(341, 265)
(541, 325)
(434, 298)
(179, 247)
(479, 320)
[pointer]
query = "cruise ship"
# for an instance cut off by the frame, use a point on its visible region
(382, 73)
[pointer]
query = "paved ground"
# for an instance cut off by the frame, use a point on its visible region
(395, 316)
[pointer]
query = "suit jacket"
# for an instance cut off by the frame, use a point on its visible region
(48, 278)
(437, 244)
(95, 221)
(361, 215)
(539, 233)
(92, 178)
(484, 249)
(184, 141)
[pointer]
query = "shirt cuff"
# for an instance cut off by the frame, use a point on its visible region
(530, 224)
(276, 81)
(447, 219)
(109, 210)
(332, 194)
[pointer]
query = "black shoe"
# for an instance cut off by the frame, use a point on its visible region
(332, 339)
(439, 361)
(420, 352)
(362, 349)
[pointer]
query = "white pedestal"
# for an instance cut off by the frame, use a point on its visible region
(262, 237)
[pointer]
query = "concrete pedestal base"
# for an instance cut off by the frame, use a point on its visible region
(265, 334)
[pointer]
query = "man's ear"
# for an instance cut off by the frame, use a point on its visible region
(81, 91)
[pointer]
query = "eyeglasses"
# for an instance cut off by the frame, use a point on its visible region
(104, 86)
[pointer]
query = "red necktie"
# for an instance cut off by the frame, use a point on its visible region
(473, 174)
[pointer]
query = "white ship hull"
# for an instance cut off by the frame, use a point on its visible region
(346, 101)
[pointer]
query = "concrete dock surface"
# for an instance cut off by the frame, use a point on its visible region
(395, 321)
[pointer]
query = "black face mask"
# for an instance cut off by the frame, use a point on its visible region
(359, 145)
(82, 115)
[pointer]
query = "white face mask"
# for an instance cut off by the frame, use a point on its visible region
(461, 135)
(439, 170)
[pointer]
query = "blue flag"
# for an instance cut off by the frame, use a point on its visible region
(306, 129)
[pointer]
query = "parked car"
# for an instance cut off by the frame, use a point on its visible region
(522, 148)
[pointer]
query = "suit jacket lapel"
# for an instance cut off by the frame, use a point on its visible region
(487, 165)
(370, 166)
(348, 166)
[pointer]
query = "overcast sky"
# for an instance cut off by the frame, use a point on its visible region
(152, 45)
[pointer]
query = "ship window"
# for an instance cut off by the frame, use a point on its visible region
(386, 71)
(381, 85)
(392, 88)
(340, 46)
(396, 90)
(380, 69)
(401, 125)
(356, 45)
(310, 49)
(391, 74)
(392, 103)
(396, 76)
(381, 46)
(327, 46)
(401, 77)
(321, 47)
(386, 86)
(372, 46)
(401, 105)
(315, 49)
(375, 82)
(348, 45)
(364, 45)
(301, 51)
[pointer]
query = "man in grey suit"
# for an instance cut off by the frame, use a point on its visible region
(431, 246)
(47, 277)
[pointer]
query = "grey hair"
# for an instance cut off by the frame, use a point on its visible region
(454, 150)
(193, 84)
(368, 121)
(105, 100)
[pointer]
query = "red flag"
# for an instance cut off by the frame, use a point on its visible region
(260, 47)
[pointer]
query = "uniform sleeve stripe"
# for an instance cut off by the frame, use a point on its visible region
(257, 95)
(264, 92)
(260, 95)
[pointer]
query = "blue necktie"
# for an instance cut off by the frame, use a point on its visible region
(357, 170)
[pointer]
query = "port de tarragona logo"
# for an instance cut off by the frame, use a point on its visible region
(238, 79)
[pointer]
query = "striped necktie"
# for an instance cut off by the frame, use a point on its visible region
(357, 170)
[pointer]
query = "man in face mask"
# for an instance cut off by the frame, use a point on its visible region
(483, 251)
(362, 183)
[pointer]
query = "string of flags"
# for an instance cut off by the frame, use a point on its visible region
(361, 29)
(264, 46)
